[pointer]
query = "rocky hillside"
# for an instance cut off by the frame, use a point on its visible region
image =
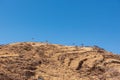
(43, 61)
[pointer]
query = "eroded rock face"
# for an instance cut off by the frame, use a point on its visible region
(34, 61)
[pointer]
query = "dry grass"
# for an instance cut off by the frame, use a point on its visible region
(32, 61)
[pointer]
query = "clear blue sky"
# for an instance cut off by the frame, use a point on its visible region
(91, 22)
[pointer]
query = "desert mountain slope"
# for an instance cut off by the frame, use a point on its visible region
(43, 61)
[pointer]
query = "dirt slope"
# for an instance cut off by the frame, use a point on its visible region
(43, 61)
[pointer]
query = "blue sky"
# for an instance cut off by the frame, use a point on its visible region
(91, 22)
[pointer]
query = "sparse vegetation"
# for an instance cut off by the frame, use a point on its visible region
(30, 60)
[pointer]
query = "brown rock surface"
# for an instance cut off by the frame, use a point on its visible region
(32, 61)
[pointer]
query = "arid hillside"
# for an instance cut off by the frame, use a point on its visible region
(44, 61)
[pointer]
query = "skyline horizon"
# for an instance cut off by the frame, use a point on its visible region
(91, 22)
